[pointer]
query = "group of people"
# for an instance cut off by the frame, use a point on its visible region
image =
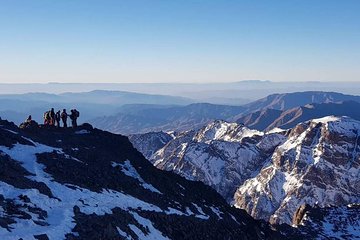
(53, 119)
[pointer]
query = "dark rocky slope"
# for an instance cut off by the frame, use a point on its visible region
(85, 183)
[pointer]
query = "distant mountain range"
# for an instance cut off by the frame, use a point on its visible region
(131, 113)
(91, 104)
(268, 118)
(270, 174)
(262, 114)
(142, 118)
(287, 101)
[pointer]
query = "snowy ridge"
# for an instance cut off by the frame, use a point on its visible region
(271, 174)
(319, 163)
(221, 130)
(222, 155)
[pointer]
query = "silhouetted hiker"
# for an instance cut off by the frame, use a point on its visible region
(57, 118)
(52, 117)
(73, 116)
(47, 118)
(64, 116)
(29, 119)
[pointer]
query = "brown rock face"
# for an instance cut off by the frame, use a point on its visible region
(300, 212)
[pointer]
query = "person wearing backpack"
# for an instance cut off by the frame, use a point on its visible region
(57, 118)
(47, 118)
(64, 117)
(74, 116)
(52, 117)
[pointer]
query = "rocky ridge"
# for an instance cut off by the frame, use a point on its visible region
(85, 183)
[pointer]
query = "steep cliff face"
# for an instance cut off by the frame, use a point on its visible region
(149, 143)
(88, 184)
(222, 155)
(342, 222)
(318, 164)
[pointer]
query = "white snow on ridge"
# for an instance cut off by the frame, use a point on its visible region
(221, 130)
(276, 130)
(326, 119)
(130, 171)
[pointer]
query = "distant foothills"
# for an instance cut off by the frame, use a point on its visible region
(131, 113)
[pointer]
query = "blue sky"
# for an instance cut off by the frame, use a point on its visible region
(179, 41)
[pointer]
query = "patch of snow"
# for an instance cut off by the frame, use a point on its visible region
(83, 131)
(153, 233)
(11, 131)
(123, 234)
(217, 212)
(130, 171)
(326, 119)
(275, 130)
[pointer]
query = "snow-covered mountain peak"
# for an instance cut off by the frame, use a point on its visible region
(319, 162)
(225, 131)
(272, 174)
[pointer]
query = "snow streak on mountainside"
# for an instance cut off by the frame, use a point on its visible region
(90, 184)
(276, 172)
(319, 163)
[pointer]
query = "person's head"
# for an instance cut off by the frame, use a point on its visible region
(64, 110)
(52, 109)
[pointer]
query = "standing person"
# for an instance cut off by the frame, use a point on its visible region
(29, 119)
(64, 117)
(57, 118)
(47, 118)
(52, 117)
(73, 116)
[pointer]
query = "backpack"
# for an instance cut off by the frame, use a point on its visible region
(77, 114)
(47, 115)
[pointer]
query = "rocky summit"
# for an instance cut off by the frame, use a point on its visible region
(85, 183)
